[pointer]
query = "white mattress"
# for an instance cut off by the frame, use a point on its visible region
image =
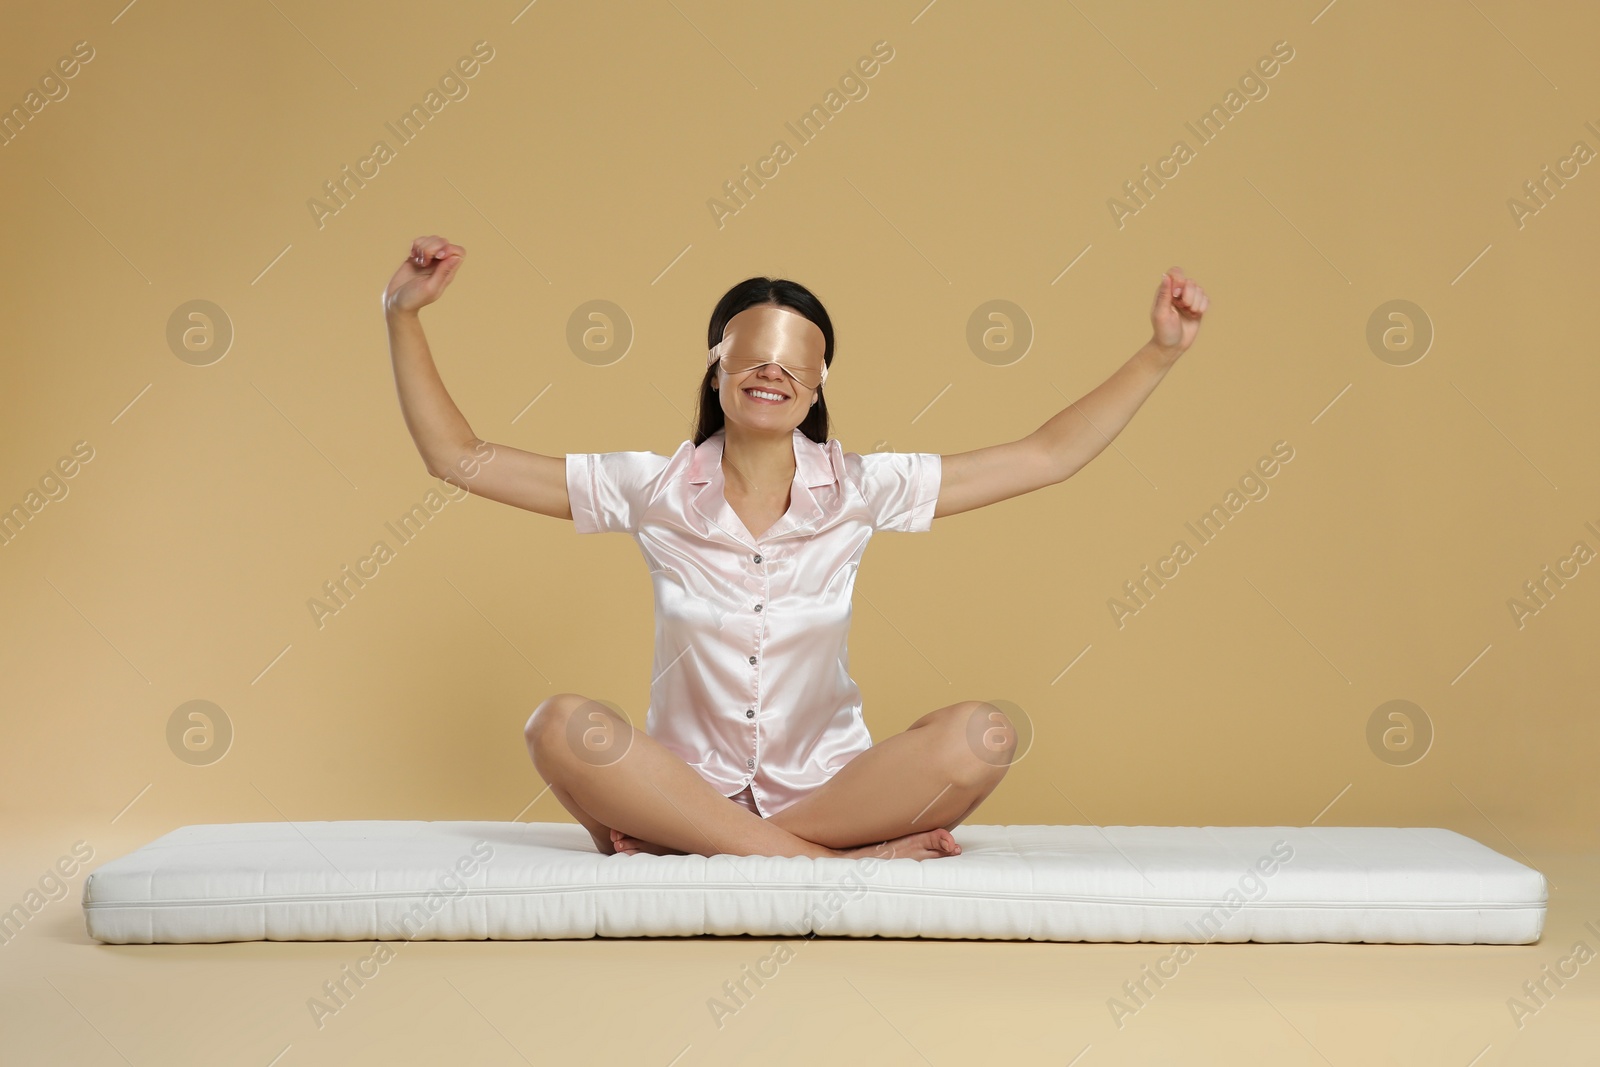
(393, 880)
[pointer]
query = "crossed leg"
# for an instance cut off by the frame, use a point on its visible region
(899, 798)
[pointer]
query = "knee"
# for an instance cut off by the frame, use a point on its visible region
(980, 742)
(547, 726)
(569, 731)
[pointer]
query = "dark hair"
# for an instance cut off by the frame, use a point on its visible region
(749, 293)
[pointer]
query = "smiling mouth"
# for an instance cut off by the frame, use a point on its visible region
(773, 396)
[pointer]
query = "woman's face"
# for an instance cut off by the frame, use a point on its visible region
(770, 367)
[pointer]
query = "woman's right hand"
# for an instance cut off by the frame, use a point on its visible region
(422, 278)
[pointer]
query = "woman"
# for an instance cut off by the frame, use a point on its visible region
(761, 509)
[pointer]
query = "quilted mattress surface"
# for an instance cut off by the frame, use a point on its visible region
(413, 880)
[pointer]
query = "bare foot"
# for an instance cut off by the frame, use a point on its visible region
(632, 846)
(927, 845)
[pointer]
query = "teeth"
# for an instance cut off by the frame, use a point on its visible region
(764, 393)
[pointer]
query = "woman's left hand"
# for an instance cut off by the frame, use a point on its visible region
(1175, 318)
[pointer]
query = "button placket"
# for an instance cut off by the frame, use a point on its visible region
(750, 713)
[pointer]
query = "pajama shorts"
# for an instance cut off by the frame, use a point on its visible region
(745, 798)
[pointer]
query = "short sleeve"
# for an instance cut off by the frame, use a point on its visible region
(901, 489)
(608, 491)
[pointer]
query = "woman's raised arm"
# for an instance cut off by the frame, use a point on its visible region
(449, 448)
(1070, 439)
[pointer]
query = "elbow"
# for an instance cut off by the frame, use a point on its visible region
(1053, 470)
(1060, 472)
(1066, 463)
(1047, 464)
(449, 474)
(455, 464)
(437, 465)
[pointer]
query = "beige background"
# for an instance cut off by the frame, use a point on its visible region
(977, 167)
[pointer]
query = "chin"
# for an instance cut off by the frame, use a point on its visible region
(778, 421)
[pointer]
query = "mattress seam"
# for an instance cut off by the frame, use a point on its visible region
(1451, 905)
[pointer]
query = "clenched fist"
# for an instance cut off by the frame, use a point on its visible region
(423, 276)
(1175, 318)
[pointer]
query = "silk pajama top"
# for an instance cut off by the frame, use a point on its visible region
(751, 682)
